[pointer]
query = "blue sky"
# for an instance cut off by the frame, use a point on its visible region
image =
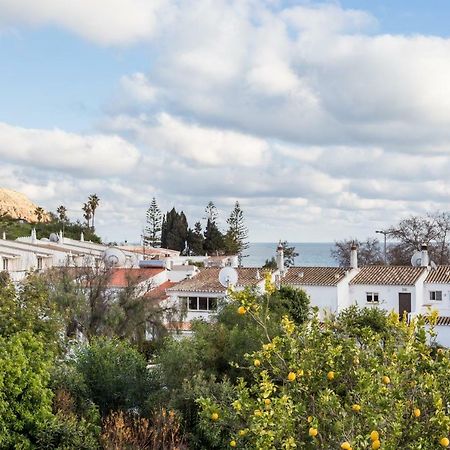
(332, 116)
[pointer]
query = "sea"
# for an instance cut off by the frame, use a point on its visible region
(310, 253)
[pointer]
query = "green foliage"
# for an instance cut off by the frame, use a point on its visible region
(237, 235)
(25, 399)
(29, 308)
(68, 433)
(174, 230)
(15, 228)
(293, 302)
(152, 232)
(321, 385)
(115, 375)
(196, 240)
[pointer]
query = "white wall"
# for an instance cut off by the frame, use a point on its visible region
(442, 306)
(387, 295)
(323, 297)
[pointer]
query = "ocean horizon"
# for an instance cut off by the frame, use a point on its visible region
(310, 253)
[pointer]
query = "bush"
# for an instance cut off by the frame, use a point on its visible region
(332, 384)
(115, 375)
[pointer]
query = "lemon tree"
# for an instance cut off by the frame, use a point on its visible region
(362, 380)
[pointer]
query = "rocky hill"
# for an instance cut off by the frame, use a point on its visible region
(18, 206)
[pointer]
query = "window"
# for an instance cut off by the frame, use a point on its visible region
(212, 306)
(201, 303)
(436, 296)
(5, 264)
(372, 297)
(193, 303)
(39, 263)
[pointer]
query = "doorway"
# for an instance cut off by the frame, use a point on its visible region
(404, 303)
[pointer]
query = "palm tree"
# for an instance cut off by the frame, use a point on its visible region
(87, 213)
(93, 202)
(39, 213)
(62, 213)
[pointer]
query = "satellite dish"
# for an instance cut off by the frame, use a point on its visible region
(416, 259)
(114, 257)
(54, 237)
(228, 276)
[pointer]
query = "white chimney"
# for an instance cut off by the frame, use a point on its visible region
(425, 259)
(82, 237)
(33, 236)
(4, 236)
(280, 258)
(354, 257)
(60, 237)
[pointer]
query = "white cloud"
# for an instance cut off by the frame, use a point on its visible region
(107, 22)
(102, 155)
(138, 88)
(202, 145)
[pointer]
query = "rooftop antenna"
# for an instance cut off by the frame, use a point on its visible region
(228, 277)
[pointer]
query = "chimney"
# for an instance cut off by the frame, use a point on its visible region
(280, 258)
(425, 259)
(82, 237)
(60, 237)
(4, 236)
(33, 236)
(354, 257)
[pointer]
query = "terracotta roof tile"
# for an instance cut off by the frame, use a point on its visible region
(314, 276)
(159, 293)
(207, 280)
(439, 275)
(388, 275)
(123, 277)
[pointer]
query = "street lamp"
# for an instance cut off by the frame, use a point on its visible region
(385, 233)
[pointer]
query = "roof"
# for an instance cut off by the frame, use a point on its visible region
(159, 293)
(439, 275)
(314, 276)
(388, 275)
(207, 280)
(157, 251)
(123, 277)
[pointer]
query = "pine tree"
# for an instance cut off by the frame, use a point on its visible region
(214, 239)
(237, 234)
(196, 239)
(152, 233)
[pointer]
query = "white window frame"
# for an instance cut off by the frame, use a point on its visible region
(187, 301)
(372, 295)
(435, 294)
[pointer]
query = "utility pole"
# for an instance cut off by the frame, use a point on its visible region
(385, 233)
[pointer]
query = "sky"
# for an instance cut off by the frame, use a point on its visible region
(325, 120)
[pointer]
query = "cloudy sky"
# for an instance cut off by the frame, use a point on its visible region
(324, 120)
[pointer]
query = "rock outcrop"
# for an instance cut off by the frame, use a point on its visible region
(18, 206)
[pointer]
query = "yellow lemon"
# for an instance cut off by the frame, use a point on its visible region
(330, 376)
(232, 443)
(416, 412)
(444, 442)
(386, 380)
(242, 432)
(346, 446)
(291, 376)
(374, 436)
(214, 416)
(309, 419)
(241, 310)
(267, 401)
(257, 362)
(313, 432)
(376, 444)
(356, 407)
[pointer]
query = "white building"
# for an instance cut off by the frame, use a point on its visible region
(200, 295)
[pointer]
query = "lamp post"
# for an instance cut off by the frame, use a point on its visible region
(385, 233)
